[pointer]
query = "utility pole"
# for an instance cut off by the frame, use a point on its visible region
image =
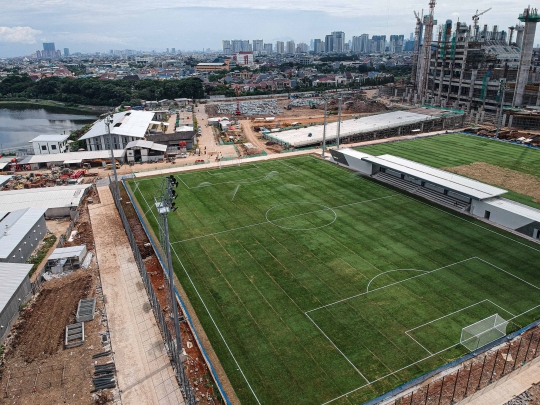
(339, 121)
(108, 122)
(324, 128)
(502, 88)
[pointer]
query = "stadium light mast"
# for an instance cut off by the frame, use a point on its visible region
(502, 89)
(339, 121)
(108, 121)
(324, 128)
(165, 203)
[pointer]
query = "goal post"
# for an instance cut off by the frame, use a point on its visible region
(483, 332)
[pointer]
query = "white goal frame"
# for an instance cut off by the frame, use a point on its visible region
(483, 332)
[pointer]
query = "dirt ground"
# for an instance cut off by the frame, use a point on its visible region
(518, 182)
(36, 368)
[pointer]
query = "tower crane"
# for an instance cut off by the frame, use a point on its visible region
(475, 18)
(414, 70)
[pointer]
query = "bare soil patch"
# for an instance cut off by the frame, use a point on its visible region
(518, 182)
(40, 330)
(36, 369)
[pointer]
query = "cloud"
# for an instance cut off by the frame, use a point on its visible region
(18, 35)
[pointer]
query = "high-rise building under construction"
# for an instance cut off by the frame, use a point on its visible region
(471, 68)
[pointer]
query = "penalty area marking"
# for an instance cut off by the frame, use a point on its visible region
(431, 354)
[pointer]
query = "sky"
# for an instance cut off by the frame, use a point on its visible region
(187, 25)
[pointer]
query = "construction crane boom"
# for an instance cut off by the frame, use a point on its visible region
(475, 18)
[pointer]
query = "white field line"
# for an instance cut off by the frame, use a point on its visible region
(389, 285)
(337, 348)
(433, 354)
(222, 171)
(209, 314)
(420, 344)
(216, 326)
(391, 271)
(279, 219)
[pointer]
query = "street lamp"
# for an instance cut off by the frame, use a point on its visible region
(108, 122)
(324, 128)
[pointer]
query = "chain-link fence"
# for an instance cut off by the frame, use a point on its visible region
(475, 374)
(175, 353)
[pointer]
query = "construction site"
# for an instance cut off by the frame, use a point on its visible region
(491, 74)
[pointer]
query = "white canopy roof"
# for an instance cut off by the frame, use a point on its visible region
(450, 181)
(128, 123)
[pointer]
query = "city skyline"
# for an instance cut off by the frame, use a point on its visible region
(86, 28)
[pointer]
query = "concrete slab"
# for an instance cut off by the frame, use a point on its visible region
(140, 353)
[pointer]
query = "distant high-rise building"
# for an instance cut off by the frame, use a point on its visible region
(329, 43)
(378, 43)
(338, 41)
(411, 37)
(365, 43)
(268, 48)
(396, 43)
(49, 51)
(173, 51)
(66, 52)
(246, 46)
(356, 44)
(320, 47)
(316, 45)
(258, 45)
(227, 47)
(167, 52)
(291, 48)
(302, 48)
(236, 45)
(280, 47)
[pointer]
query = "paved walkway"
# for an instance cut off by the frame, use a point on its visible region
(145, 374)
(506, 388)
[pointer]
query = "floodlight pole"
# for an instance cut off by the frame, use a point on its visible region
(339, 121)
(108, 122)
(324, 128)
(165, 204)
(502, 88)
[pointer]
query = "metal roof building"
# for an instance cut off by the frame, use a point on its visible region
(314, 135)
(21, 232)
(49, 138)
(146, 145)
(15, 289)
(57, 201)
(447, 180)
(4, 179)
(71, 157)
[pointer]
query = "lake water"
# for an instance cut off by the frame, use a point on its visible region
(21, 123)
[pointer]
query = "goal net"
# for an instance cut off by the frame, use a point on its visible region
(483, 332)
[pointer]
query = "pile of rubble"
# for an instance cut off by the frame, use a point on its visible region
(57, 177)
(508, 134)
(256, 107)
(306, 102)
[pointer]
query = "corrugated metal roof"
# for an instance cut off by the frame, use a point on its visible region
(354, 153)
(61, 253)
(4, 179)
(50, 138)
(508, 205)
(300, 137)
(147, 145)
(128, 123)
(451, 181)
(15, 226)
(84, 155)
(48, 197)
(11, 277)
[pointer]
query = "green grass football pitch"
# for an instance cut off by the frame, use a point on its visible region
(316, 285)
(459, 149)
